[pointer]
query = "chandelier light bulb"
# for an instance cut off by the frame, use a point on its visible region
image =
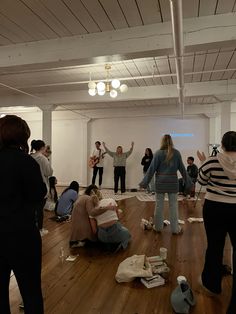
(123, 88)
(92, 92)
(113, 93)
(101, 92)
(101, 86)
(106, 86)
(115, 83)
(92, 85)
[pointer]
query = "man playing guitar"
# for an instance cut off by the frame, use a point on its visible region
(96, 162)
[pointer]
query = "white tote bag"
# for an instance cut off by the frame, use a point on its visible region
(133, 267)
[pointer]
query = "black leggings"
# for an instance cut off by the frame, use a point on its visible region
(119, 173)
(219, 220)
(39, 213)
(21, 252)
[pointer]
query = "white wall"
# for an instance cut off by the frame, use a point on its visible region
(68, 142)
(67, 150)
(233, 122)
(146, 132)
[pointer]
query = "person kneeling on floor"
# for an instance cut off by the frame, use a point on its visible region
(109, 229)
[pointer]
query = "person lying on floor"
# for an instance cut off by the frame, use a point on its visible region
(107, 225)
(84, 207)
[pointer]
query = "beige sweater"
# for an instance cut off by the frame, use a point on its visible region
(81, 228)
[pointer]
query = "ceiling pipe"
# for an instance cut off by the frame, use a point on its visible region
(177, 31)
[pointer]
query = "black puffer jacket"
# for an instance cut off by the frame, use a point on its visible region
(21, 188)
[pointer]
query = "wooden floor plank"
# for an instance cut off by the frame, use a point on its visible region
(88, 286)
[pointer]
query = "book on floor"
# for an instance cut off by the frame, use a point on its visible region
(154, 281)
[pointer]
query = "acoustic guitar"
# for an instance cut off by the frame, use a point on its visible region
(93, 161)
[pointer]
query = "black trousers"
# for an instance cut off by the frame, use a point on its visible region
(219, 220)
(39, 213)
(21, 252)
(98, 170)
(119, 173)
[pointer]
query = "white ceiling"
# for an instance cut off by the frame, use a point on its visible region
(49, 49)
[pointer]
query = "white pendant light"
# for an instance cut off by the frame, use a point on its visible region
(115, 83)
(92, 85)
(101, 92)
(101, 86)
(123, 88)
(113, 93)
(92, 92)
(113, 87)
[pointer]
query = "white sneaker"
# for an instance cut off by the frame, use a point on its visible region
(79, 244)
(43, 232)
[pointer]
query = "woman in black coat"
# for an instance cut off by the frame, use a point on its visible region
(22, 188)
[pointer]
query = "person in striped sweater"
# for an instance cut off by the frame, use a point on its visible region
(218, 174)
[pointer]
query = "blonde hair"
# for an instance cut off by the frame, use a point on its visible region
(168, 146)
(95, 199)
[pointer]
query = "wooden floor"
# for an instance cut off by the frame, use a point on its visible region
(88, 286)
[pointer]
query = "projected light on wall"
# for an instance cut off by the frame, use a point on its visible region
(181, 134)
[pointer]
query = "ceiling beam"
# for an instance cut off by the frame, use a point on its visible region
(159, 110)
(200, 33)
(211, 88)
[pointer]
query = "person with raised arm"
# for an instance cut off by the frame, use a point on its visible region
(218, 174)
(119, 164)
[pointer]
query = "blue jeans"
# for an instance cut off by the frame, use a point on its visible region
(114, 234)
(158, 214)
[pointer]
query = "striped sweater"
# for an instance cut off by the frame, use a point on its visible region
(219, 175)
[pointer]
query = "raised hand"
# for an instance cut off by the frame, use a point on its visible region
(201, 156)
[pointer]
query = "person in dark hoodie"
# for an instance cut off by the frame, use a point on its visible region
(22, 189)
(145, 162)
(218, 173)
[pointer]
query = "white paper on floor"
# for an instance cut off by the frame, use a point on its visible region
(142, 196)
(72, 258)
(193, 219)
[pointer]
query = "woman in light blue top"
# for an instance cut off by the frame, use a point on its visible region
(68, 197)
(165, 164)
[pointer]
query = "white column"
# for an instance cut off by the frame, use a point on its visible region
(214, 129)
(225, 117)
(85, 153)
(47, 123)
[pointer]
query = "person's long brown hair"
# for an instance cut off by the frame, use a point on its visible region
(168, 146)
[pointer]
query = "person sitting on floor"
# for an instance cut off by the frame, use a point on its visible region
(107, 225)
(84, 207)
(65, 202)
(192, 170)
